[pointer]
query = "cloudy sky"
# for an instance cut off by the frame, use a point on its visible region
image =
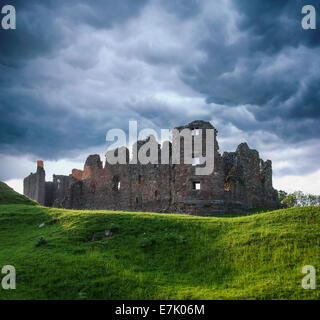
(74, 69)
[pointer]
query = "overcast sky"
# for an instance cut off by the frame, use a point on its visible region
(74, 69)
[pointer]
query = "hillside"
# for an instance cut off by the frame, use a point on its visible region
(158, 256)
(9, 196)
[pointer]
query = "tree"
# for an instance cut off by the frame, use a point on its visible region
(282, 195)
(290, 200)
(299, 199)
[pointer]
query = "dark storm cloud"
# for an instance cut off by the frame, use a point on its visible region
(276, 23)
(32, 125)
(74, 69)
(28, 122)
(272, 66)
(43, 27)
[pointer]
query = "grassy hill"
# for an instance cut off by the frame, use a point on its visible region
(9, 196)
(158, 256)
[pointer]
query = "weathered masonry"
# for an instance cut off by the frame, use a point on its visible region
(240, 181)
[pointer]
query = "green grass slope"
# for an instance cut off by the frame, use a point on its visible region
(9, 196)
(158, 256)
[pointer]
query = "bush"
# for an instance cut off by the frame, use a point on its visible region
(42, 241)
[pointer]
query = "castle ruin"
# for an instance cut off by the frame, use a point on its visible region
(240, 181)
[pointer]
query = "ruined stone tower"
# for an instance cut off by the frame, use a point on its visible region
(240, 181)
(34, 184)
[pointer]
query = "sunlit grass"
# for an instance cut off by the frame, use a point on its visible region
(158, 256)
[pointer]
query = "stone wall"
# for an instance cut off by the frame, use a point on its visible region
(240, 181)
(249, 179)
(34, 186)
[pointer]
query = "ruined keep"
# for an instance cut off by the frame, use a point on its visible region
(240, 181)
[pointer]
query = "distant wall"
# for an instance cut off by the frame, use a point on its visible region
(34, 186)
(49, 194)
